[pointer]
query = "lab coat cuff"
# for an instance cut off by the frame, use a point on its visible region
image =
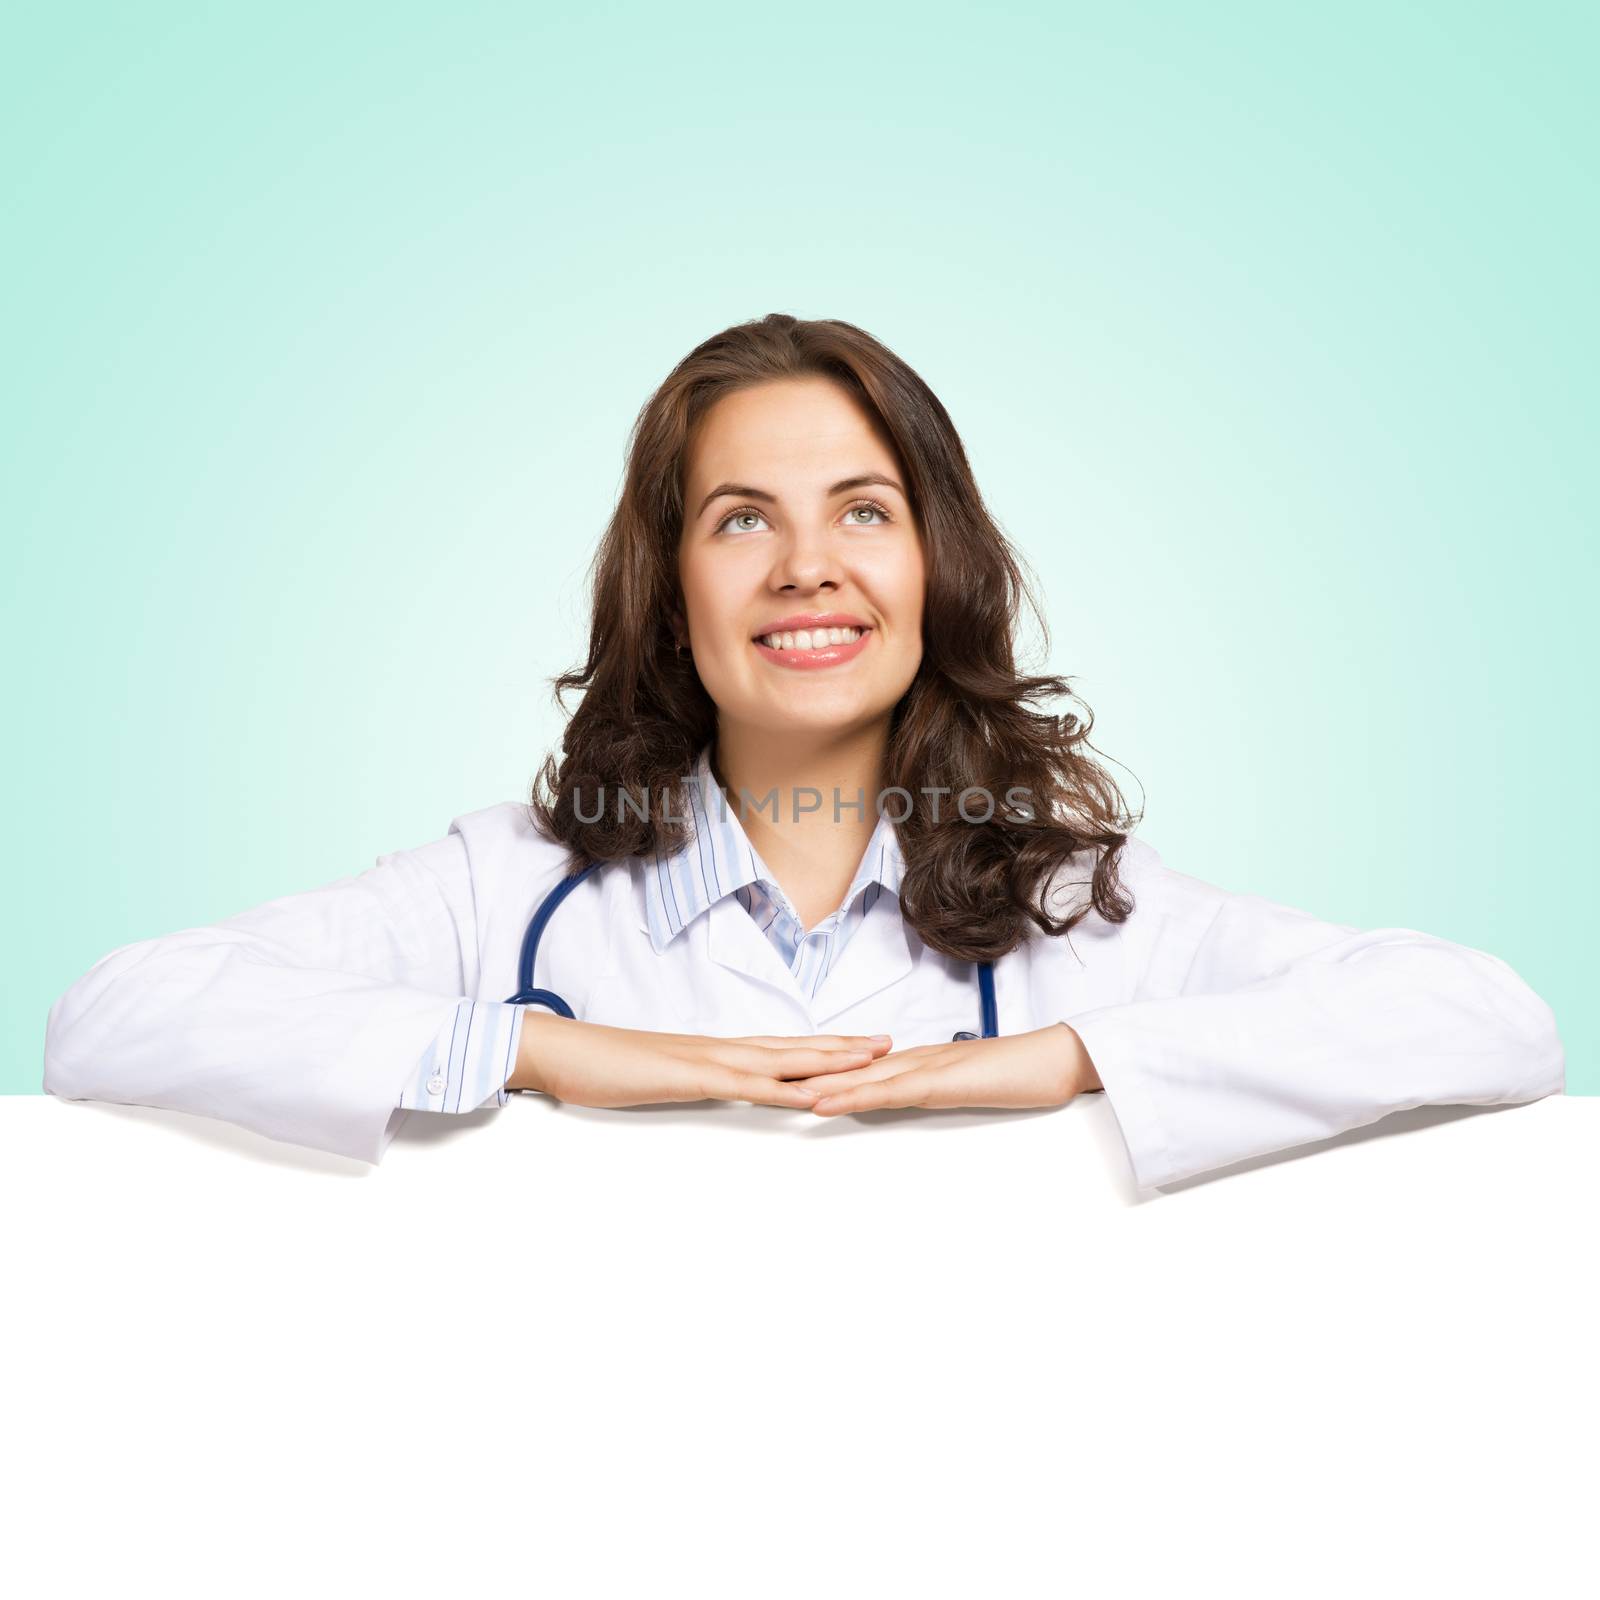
(471, 1057)
(1114, 1047)
(399, 1032)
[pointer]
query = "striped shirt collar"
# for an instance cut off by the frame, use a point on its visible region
(719, 859)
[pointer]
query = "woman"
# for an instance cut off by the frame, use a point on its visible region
(827, 807)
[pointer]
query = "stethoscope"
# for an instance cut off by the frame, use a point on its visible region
(527, 994)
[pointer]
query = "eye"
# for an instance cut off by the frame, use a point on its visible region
(743, 511)
(850, 514)
(869, 505)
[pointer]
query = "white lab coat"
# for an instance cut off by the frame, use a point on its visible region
(1222, 1025)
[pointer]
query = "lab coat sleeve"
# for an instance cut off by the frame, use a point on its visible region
(302, 1018)
(1253, 1027)
(468, 1061)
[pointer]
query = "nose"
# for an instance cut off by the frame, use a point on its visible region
(808, 560)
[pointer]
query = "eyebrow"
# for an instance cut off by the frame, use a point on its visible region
(749, 492)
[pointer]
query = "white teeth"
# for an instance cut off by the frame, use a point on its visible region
(811, 638)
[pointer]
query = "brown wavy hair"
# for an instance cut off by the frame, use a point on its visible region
(969, 888)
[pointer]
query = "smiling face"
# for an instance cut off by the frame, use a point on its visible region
(795, 513)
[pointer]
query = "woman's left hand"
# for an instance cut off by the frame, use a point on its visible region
(1046, 1067)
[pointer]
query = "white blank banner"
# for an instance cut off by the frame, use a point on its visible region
(736, 1350)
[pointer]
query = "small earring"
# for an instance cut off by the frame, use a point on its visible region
(681, 650)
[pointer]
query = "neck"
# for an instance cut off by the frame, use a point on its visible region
(806, 801)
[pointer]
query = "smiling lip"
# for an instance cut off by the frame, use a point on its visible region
(810, 619)
(822, 655)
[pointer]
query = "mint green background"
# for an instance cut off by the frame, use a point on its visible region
(1271, 332)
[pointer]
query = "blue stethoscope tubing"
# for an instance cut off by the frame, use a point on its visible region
(528, 994)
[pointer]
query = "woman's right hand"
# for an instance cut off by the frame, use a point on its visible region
(591, 1064)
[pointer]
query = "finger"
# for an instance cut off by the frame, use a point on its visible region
(780, 1060)
(800, 1062)
(754, 1087)
(929, 1086)
(875, 1043)
(884, 1067)
(849, 1077)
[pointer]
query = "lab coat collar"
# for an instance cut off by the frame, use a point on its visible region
(718, 858)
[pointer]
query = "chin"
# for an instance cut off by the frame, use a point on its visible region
(821, 718)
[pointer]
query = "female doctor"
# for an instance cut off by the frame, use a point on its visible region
(808, 845)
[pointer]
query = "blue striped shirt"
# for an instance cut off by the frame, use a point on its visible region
(473, 1054)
